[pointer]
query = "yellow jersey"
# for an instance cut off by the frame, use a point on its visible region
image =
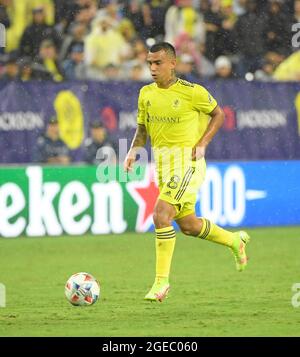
(177, 116)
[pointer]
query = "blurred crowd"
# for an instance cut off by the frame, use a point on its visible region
(97, 146)
(109, 39)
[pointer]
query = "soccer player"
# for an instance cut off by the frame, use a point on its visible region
(181, 119)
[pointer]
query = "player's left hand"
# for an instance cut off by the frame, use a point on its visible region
(198, 152)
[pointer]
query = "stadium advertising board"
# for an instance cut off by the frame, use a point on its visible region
(38, 201)
(262, 119)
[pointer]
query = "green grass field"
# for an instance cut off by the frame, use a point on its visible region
(207, 298)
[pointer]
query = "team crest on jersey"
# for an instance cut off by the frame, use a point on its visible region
(176, 104)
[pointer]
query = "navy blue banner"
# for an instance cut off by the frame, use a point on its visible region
(261, 118)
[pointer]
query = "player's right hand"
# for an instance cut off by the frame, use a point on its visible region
(129, 160)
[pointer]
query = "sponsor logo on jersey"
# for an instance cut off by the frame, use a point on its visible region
(159, 119)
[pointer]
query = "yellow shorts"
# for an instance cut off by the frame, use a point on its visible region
(180, 188)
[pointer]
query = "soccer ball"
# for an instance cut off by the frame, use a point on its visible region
(82, 289)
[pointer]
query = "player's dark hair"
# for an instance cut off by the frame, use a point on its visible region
(166, 46)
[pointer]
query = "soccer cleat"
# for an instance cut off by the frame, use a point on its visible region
(159, 290)
(239, 250)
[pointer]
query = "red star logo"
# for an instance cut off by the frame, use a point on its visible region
(145, 194)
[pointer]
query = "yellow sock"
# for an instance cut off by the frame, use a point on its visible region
(214, 233)
(165, 243)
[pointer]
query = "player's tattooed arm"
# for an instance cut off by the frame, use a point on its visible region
(139, 140)
(140, 137)
(217, 119)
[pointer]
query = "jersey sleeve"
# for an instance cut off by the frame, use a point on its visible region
(141, 109)
(203, 101)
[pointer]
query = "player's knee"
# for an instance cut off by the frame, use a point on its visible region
(161, 219)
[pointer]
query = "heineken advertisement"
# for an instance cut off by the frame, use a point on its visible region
(39, 201)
